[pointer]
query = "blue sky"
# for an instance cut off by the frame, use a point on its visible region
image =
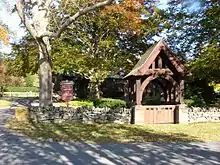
(12, 21)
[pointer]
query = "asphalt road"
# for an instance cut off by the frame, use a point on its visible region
(16, 149)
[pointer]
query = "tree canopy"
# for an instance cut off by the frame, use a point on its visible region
(99, 44)
(194, 34)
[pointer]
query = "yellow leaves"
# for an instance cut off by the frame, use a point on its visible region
(4, 34)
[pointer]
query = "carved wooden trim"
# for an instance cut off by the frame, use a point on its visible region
(144, 84)
(158, 72)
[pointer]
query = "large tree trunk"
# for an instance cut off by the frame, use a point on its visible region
(94, 91)
(97, 91)
(45, 73)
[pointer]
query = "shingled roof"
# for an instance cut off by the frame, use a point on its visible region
(146, 57)
(143, 59)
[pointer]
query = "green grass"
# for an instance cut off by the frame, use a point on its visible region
(21, 94)
(118, 133)
(76, 103)
(5, 103)
(101, 103)
(21, 89)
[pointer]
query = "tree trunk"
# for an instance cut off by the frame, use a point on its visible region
(94, 92)
(45, 73)
(97, 91)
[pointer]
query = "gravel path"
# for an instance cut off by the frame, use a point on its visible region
(18, 150)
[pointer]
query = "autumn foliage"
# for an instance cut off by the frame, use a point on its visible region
(3, 34)
(128, 13)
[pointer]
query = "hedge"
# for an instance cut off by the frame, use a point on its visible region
(99, 103)
(110, 103)
(81, 103)
(21, 89)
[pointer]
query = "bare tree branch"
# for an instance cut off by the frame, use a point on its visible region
(79, 13)
(20, 9)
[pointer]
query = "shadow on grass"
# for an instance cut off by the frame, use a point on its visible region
(16, 149)
(97, 133)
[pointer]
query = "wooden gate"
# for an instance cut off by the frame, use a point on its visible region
(153, 114)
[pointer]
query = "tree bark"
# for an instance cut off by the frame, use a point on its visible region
(94, 92)
(97, 91)
(45, 73)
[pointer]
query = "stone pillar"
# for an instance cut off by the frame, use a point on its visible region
(183, 114)
(139, 115)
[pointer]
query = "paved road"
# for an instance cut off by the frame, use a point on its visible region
(18, 150)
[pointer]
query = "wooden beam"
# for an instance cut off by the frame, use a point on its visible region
(153, 65)
(181, 92)
(170, 94)
(158, 71)
(127, 90)
(160, 62)
(138, 92)
(177, 93)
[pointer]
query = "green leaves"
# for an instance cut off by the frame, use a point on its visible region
(207, 65)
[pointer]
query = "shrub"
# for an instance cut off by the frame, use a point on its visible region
(21, 89)
(198, 93)
(110, 103)
(21, 114)
(100, 103)
(31, 80)
(81, 103)
(7, 80)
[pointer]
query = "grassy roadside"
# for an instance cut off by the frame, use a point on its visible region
(5, 103)
(118, 133)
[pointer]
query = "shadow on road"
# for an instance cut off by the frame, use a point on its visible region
(16, 149)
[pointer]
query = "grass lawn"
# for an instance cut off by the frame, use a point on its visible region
(21, 94)
(5, 103)
(74, 103)
(119, 133)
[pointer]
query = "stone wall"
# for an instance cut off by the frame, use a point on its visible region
(197, 114)
(80, 114)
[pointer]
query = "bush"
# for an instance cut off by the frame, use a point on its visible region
(7, 80)
(198, 93)
(21, 114)
(31, 80)
(100, 103)
(21, 89)
(81, 103)
(110, 103)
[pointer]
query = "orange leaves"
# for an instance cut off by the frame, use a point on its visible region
(129, 13)
(3, 34)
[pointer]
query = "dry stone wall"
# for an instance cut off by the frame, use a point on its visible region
(80, 114)
(211, 114)
(198, 114)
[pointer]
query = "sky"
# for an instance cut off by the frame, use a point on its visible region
(13, 22)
